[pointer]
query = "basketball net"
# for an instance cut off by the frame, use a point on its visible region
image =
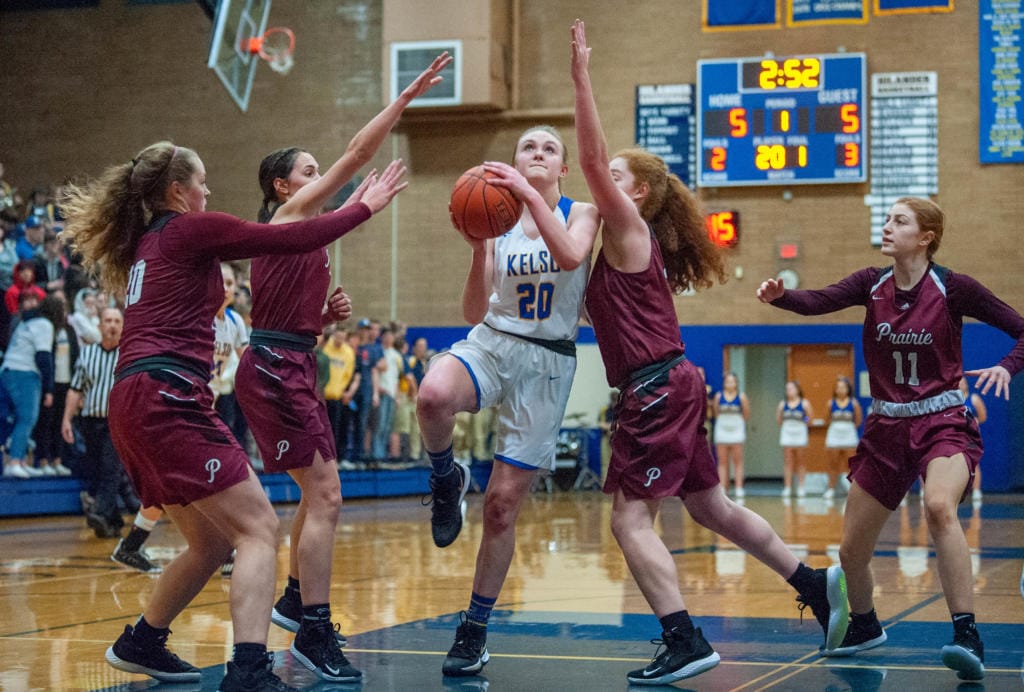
(276, 46)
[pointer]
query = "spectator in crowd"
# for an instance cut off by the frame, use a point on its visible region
(32, 243)
(8, 257)
(51, 263)
(390, 368)
(49, 451)
(27, 376)
(406, 423)
(368, 355)
(40, 204)
(84, 319)
(342, 385)
(10, 200)
(230, 338)
(24, 282)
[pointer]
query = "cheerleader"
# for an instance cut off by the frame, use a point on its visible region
(731, 412)
(792, 415)
(844, 416)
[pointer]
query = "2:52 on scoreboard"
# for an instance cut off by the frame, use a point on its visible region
(781, 121)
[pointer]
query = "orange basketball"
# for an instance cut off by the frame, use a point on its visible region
(482, 210)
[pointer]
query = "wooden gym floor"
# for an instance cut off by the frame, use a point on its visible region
(569, 618)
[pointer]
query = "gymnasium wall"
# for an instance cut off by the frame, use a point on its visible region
(87, 87)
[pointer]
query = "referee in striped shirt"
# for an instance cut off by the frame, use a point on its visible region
(88, 397)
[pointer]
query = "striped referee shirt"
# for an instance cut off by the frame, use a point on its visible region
(94, 377)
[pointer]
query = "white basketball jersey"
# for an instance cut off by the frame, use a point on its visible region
(532, 295)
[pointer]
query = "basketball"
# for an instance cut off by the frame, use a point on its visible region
(481, 210)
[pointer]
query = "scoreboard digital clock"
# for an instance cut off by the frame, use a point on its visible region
(781, 121)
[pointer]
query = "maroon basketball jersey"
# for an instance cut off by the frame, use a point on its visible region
(912, 338)
(175, 286)
(911, 345)
(633, 316)
(288, 292)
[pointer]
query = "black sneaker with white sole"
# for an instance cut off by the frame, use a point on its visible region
(865, 632)
(316, 648)
(136, 559)
(683, 657)
(448, 506)
(827, 600)
(468, 654)
(259, 680)
(156, 661)
(287, 614)
(966, 655)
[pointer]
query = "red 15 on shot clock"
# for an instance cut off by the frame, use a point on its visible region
(781, 120)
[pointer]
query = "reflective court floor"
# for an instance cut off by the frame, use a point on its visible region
(569, 618)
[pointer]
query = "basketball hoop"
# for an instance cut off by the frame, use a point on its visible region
(276, 46)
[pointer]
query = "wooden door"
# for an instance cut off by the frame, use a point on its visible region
(815, 367)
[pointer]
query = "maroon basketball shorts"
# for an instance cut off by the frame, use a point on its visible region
(894, 451)
(660, 446)
(276, 388)
(174, 446)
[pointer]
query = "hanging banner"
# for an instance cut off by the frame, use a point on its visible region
(1000, 66)
(912, 6)
(666, 126)
(904, 141)
(812, 12)
(731, 15)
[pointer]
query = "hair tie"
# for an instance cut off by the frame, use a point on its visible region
(135, 162)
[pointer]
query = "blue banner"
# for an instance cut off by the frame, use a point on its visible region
(911, 6)
(810, 12)
(1000, 66)
(740, 14)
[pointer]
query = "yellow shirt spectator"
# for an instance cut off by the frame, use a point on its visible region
(343, 367)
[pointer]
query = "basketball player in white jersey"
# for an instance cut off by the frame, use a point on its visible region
(524, 293)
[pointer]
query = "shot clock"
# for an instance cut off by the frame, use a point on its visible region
(781, 120)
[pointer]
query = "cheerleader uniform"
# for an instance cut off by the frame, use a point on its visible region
(794, 425)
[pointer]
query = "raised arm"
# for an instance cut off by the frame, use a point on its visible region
(626, 237)
(229, 238)
(309, 200)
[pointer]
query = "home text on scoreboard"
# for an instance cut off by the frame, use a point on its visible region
(781, 121)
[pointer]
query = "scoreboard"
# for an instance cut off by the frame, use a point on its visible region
(781, 121)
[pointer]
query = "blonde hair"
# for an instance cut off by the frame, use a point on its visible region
(107, 217)
(675, 215)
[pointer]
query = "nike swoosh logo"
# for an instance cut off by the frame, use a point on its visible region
(876, 297)
(332, 671)
(553, 378)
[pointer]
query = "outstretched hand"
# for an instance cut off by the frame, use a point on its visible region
(339, 305)
(996, 375)
(770, 290)
(580, 51)
(380, 193)
(357, 195)
(429, 78)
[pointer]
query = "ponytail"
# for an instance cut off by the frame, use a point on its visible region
(107, 217)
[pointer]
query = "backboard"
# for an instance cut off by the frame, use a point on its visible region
(234, 23)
